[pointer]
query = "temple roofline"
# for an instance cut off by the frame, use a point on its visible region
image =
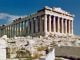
(57, 10)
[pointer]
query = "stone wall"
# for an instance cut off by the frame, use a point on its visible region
(68, 51)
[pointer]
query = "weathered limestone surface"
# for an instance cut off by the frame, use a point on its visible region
(68, 51)
(35, 47)
(3, 45)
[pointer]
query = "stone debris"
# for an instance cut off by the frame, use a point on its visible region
(35, 46)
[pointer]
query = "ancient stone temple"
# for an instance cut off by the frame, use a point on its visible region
(44, 22)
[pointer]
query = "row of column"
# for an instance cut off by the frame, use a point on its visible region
(16, 29)
(36, 25)
(44, 23)
(58, 24)
(31, 26)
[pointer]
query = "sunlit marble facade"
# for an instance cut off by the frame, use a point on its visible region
(42, 23)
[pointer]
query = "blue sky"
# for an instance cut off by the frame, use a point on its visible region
(10, 9)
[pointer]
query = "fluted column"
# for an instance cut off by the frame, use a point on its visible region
(41, 24)
(62, 25)
(54, 26)
(25, 28)
(72, 26)
(20, 28)
(49, 23)
(66, 26)
(9, 31)
(13, 30)
(16, 30)
(45, 23)
(6, 31)
(58, 25)
(28, 26)
(69, 27)
(36, 25)
(32, 26)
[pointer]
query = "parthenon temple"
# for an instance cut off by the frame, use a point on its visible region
(44, 22)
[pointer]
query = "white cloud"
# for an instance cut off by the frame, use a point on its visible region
(8, 17)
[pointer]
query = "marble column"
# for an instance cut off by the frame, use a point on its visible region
(20, 28)
(11, 30)
(62, 25)
(32, 29)
(58, 25)
(25, 28)
(72, 26)
(41, 24)
(16, 29)
(54, 22)
(28, 26)
(36, 25)
(66, 26)
(7, 30)
(49, 23)
(45, 23)
(69, 27)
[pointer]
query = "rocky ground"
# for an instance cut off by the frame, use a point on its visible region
(36, 47)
